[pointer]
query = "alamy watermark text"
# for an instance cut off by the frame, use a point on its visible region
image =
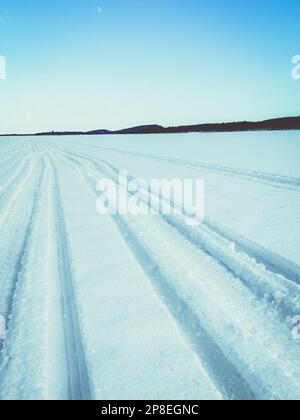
(182, 197)
(296, 67)
(2, 328)
(2, 67)
(296, 329)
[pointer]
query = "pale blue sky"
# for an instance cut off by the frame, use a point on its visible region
(146, 61)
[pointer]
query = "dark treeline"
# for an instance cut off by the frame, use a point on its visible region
(289, 123)
(292, 123)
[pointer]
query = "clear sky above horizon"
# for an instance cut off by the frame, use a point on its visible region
(88, 64)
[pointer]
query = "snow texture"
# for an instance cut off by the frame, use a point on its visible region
(148, 307)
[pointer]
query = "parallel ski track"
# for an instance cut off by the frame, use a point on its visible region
(18, 245)
(17, 250)
(6, 171)
(79, 388)
(16, 185)
(190, 325)
(272, 261)
(270, 179)
(19, 163)
(269, 276)
(218, 366)
(79, 385)
(13, 154)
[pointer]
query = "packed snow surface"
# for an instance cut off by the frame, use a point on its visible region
(147, 307)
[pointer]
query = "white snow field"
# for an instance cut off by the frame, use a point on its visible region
(147, 307)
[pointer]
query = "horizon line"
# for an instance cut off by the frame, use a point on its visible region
(104, 131)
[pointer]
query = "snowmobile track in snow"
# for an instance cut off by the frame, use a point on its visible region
(205, 347)
(79, 386)
(273, 180)
(269, 276)
(229, 299)
(168, 294)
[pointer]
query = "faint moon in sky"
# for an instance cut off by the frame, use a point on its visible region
(99, 9)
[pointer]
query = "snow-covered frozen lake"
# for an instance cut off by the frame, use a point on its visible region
(146, 307)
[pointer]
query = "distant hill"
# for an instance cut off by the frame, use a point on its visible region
(141, 129)
(98, 132)
(289, 123)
